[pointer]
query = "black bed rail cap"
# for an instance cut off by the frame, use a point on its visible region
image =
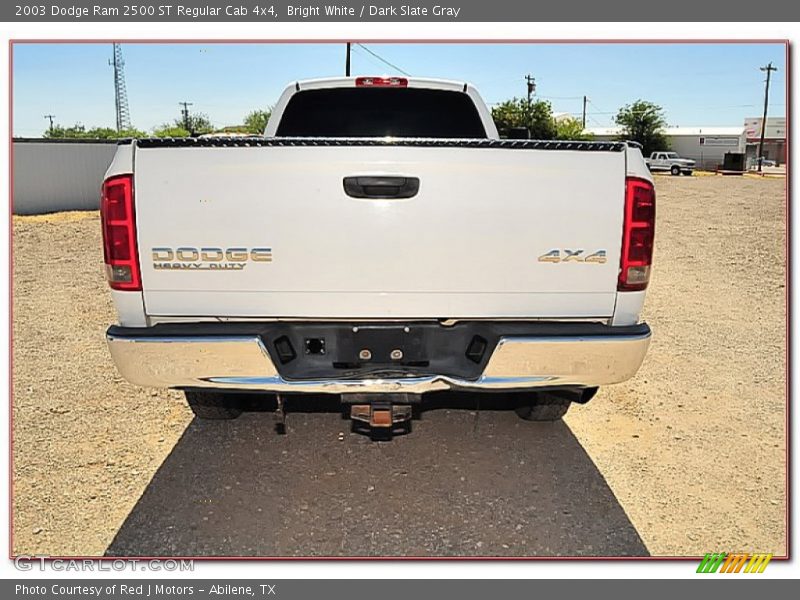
(260, 141)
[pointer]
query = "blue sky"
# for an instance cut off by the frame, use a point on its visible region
(697, 84)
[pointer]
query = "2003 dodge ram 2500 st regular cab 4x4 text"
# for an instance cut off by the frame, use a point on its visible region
(378, 242)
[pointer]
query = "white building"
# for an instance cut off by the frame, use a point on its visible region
(774, 139)
(706, 145)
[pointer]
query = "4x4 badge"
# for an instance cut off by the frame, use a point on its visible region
(559, 256)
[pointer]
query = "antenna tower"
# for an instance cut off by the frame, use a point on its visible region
(120, 93)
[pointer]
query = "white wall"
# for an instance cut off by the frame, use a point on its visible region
(56, 176)
(708, 155)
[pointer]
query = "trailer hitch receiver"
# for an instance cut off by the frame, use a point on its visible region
(380, 414)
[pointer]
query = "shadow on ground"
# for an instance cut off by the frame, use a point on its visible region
(461, 484)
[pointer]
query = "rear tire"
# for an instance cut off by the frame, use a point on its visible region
(541, 406)
(214, 405)
(675, 170)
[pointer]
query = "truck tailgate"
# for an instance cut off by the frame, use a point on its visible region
(270, 232)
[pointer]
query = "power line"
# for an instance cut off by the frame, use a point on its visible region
(560, 97)
(368, 57)
(596, 112)
(384, 61)
(599, 110)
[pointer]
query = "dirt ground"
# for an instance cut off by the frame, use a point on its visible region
(686, 458)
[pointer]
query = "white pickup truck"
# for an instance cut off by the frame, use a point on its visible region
(670, 161)
(378, 242)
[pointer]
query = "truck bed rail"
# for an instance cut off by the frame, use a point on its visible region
(260, 141)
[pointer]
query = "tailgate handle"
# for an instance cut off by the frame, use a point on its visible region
(381, 187)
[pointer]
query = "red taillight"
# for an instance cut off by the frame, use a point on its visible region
(398, 82)
(119, 234)
(637, 235)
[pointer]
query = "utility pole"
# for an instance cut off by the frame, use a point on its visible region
(50, 117)
(769, 69)
(347, 62)
(185, 115)
(583, 118)
(531, 81)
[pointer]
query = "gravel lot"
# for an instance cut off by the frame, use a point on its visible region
(686, 458)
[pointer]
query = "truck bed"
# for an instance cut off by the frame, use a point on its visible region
(476, 241)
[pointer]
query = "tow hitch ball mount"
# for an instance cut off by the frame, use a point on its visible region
(381, 415)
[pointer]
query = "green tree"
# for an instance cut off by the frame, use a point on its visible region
(543, 126)
(95, 133)
(197, 124)
(240, 129)
(132, 133)
(571, 129)
(643, 122)
(107, 133)
(101, 133)
(61, 132)
(518, 112)
(171, 130)
(256, 121)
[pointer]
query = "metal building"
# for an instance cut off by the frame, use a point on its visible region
(774, 139)
(706, 145)
(56, 175)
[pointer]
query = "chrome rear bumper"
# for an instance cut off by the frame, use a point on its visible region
(241, 362)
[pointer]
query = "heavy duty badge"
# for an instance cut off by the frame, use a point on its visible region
(208, 259)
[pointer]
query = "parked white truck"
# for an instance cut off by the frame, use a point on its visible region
(378, 243)
(670, 161)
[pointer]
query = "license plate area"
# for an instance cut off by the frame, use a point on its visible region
(385, 346)
(378, 350)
